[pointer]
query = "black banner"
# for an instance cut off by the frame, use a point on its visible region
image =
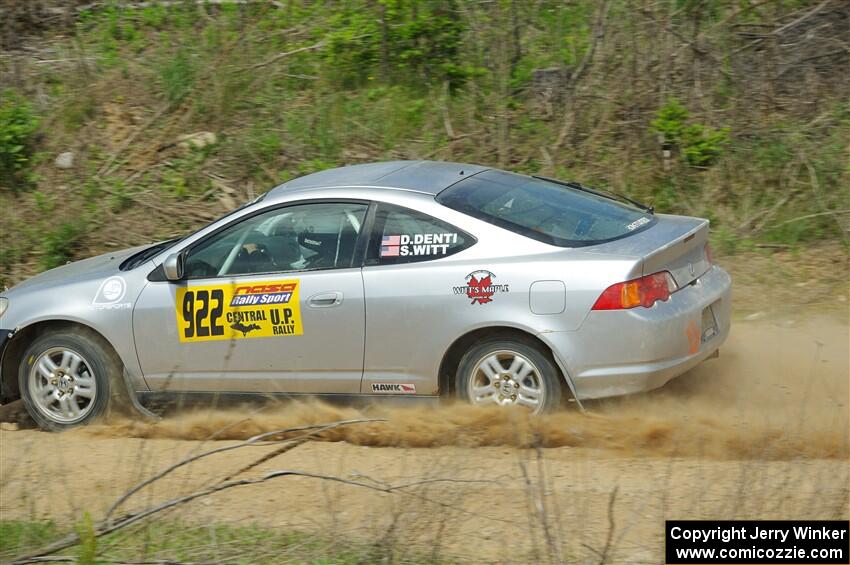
(764, 542)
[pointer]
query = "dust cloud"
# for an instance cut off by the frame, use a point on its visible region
(778, 391)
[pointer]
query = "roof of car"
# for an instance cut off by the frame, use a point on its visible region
(429, 177)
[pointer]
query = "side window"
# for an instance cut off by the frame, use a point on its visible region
(401, 235)
(295, 238)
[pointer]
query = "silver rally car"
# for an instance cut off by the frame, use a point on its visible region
(405, 278)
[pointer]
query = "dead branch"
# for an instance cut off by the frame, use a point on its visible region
(153, 3)
(802, 18)
(807, 216)
(252, 441)
(103, 528)
(285, 54)
(554, 548)
(598, 34)
(52, 559)
(772, 246)
(610, 535)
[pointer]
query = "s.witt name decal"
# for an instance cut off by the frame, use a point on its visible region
(417, 244)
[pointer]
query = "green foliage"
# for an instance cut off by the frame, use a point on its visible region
(120, 197)
(177, 75)
(700, 145)
(18, 124)
(414, 40)
(58, 245)
(87, 548)
(670, 121)
(167, 541)
(17, 535)
(175, 183)
(42, 203)
(79, 110)
(154, 16)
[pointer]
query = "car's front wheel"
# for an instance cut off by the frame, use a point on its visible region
(509, 372)
(64, 378)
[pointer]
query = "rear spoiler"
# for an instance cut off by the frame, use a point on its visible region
(683, 255)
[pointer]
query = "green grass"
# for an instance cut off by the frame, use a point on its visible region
(175, 541)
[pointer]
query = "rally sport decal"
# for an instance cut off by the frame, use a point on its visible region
(238, 311)
(480, 288)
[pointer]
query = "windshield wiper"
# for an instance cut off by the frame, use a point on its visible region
(604, 193)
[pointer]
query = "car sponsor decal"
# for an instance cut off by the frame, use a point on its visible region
(393, 388)
(479, 287)
(638, 223)
(419, 244)
(109, 295)
(238, 310)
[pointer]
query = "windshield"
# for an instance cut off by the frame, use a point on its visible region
(543, 210)
(138, 258)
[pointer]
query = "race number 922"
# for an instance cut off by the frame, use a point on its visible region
(202, 311)
(238, 310)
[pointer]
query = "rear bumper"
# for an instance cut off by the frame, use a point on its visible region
(618, 352)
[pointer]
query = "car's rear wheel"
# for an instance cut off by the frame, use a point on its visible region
(64, 378)
(509, 373)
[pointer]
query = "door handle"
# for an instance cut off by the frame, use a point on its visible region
(326, 299)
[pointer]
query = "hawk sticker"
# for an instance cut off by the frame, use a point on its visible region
(394, 388)
(479, 287)
(238, 310)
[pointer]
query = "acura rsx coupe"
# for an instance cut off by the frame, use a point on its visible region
(404, 279)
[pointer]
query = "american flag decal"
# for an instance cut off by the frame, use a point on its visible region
(389, 245)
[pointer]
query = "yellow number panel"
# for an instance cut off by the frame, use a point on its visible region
(238, 310)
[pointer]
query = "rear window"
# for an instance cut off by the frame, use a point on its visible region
(544, 210)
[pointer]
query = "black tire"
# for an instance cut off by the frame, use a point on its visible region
(549, 375)
(98, 363)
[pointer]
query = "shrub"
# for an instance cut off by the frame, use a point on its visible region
(419, 41)
(699, 145)
(58, 245)
(18, 124)
(702, 145)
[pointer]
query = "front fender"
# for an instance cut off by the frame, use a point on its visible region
(105, 305)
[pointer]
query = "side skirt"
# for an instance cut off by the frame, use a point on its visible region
(158, 402)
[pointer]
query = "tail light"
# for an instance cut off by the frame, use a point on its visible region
(644, 291)
(709, 256)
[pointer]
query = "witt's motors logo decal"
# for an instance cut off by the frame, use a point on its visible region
(480, 288)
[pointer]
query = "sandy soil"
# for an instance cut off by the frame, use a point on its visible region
(761, 432)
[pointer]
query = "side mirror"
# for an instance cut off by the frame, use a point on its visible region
(173, 267)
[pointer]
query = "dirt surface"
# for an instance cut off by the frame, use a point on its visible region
(761, 432)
